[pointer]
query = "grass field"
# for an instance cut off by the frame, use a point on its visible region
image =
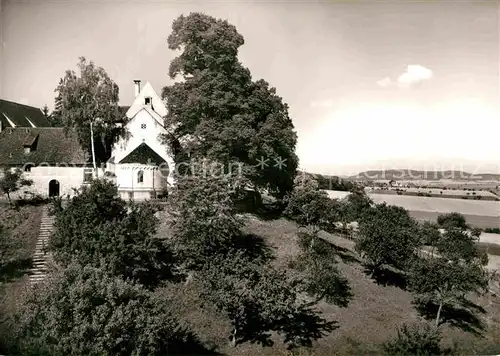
(473, 220)
(370, 319)
(442, 192)
(431, 204)
(453, 184)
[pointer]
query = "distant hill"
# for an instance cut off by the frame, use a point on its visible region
(410, 174)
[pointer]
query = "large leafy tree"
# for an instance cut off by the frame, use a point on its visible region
(88, 97)
(83, 310)
(219, 113)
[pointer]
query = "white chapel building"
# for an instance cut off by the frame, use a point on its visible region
(140, 162)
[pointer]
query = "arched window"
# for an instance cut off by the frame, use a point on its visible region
(140, 177)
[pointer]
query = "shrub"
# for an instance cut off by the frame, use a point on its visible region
(85, 311)
(450, 220)
(99, 228)
(415, 340)
(493, 230)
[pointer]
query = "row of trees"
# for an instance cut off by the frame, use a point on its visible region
(439, 262)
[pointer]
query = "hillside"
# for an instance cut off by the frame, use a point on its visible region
(369, 320)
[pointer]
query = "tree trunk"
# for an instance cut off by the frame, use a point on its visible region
(8, 198)
(438, 316)
(233, 338)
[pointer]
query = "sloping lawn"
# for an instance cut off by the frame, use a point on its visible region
(370, 319)
(22, 225)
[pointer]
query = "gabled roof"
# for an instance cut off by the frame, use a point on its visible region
(21, 115)
(143, 154)
(147, 91)
(49, 145)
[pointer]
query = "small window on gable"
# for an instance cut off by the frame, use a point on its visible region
(143, 126)
(140, 177)
(147, 100)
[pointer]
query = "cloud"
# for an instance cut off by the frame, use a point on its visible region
(413, 76)
(384, 83)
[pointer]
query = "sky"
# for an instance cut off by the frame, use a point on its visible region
(370, 84)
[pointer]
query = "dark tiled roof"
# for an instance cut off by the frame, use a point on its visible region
(49, 145)
(143, 154)
(18, 113)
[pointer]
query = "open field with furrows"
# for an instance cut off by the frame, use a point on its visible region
(437, 192)
(370, 319)
(452, 184)
(478, 213)
(431, 204)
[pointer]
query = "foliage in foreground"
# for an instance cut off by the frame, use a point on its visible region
(415, 340)
(322, 278)
(99, 228)
(85, 311)
(258, 299)
(205, 222)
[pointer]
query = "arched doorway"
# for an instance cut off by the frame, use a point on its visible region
(53, 188)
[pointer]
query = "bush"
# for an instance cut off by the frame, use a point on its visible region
(415, 340)
(492, 230)
(451, 220)
(85, 311)
(100, 229)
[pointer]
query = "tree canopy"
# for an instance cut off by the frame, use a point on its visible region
(454, 268)
(89, 97)
(219, 113)
(388, 235)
